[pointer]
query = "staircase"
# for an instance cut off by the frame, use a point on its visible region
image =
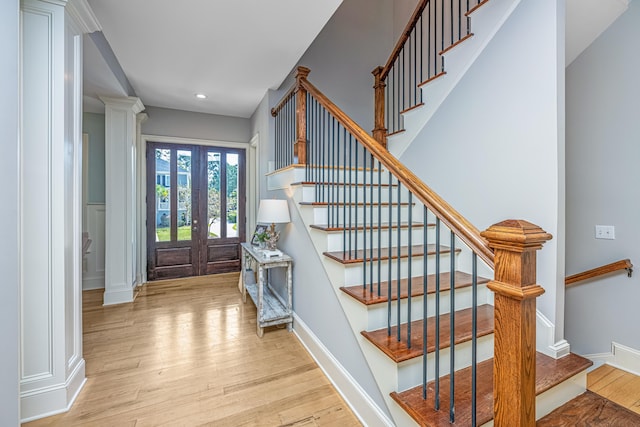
(415, 279)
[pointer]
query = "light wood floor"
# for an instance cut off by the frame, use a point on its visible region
(186, 353)
(616, 385)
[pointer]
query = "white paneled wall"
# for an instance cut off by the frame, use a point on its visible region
(52, 367)
(93, 270)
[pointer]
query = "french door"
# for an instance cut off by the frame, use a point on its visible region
(195, 209)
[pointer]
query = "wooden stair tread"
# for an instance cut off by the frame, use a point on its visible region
(549, 372)
(398, 350)
(368, 297)
(383, 226)
(413, 107)
(590, 409)
(353, 257)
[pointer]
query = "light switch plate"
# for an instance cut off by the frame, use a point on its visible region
(607, 232)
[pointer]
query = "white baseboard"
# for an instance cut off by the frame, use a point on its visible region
(48, 401)
(546, 338)
(90, 283)
(621, 357)
(367, 411)
(119, 295)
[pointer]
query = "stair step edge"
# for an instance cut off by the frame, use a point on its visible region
(366, 297)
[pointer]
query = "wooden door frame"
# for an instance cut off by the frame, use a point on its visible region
(142, 179)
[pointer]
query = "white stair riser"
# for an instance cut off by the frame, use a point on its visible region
(377, 314)
(355, 215)
(347, 175)
(353, 273)
(410, 372)
(332, 193)
(337, 241)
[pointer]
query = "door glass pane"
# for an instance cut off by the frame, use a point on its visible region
(163, 195)
(232, 195)
(184, 194)
(213, 194)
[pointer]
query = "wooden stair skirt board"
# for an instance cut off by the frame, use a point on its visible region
(368, 297)
(398, 350)
(549, 373)
(590, 409)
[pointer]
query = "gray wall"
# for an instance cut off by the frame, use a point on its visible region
(603, 154)
(93, 124)
(187, 124)
(356, 40)
(9, 302)
(494, 149)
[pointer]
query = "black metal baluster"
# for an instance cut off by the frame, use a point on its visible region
(442, 39)
(389, 249)
(344, 190)
(437, 319)
(335, 180)
(468, 20)
(350, 190)
(409, 275)
(355, 210)
(421, 50)
(364, 217)
(414, 87)
(379, 224)
(425, 302)
(459, 19)
(452, 328)
(310, 130)
(474, 335)
(452, 26)
(371, 222)
(332, 149)
(399, 260)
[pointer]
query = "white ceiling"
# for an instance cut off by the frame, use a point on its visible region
(230, 50)
(234, 50)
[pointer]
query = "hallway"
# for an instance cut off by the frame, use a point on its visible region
(186, 353)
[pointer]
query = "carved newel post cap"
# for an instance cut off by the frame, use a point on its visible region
(515, 234)
(302, 72)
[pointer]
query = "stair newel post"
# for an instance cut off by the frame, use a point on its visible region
(300, 148)
(515, 243)
(379, 131)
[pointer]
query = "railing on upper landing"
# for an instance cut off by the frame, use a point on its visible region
(434, 27)
(365, 191)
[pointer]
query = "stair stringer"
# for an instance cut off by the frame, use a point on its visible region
(486, 21)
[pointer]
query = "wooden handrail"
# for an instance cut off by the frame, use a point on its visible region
(403, 38)
(624, 264)
(447, 214)
(292, 90)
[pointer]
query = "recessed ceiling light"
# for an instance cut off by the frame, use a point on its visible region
(201, 96)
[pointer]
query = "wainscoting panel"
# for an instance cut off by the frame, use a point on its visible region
(93, 267)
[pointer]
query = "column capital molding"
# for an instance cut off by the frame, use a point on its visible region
(141, 117)
(81, 12)
(124, 103)
(62, 3)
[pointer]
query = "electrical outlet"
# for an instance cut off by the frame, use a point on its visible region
(607, 232)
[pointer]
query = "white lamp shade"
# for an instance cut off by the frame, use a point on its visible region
(272, 211)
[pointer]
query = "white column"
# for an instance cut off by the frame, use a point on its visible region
(50, 193)
(9, 291)
(120, 198)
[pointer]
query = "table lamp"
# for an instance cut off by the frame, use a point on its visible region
(273, 211)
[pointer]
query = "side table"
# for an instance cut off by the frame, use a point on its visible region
(271, 308)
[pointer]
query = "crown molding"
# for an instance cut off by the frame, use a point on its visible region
(82, 13)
